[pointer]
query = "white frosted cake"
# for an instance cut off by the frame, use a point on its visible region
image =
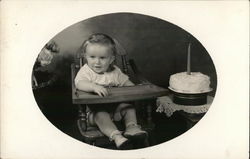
(196, 82)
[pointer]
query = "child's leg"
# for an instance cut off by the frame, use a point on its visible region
(104, 122)
(108, 128)
(129, 115)
(127, 111)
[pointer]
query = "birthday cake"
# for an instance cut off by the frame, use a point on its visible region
(196, 82)
(189, 89)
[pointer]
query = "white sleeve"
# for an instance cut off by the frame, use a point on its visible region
(83, 74)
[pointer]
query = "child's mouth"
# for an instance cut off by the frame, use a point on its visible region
(98, 67)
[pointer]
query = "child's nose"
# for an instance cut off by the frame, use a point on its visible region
(98, 60)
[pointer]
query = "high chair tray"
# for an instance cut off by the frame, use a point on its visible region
(120, 94)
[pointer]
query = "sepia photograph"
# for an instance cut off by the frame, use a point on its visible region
(124, 81)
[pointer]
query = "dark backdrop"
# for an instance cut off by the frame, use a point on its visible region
(159, 49)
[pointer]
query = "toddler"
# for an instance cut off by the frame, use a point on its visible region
(98, 73)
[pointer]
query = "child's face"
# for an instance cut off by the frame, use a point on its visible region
(99, 57)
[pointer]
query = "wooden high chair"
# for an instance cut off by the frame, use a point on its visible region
(143, 94)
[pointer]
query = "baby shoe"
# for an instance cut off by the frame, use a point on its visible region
(134, 131)
(121, 142)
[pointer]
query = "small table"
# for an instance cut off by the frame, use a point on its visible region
(192, 114)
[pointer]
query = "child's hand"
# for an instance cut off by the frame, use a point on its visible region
(101, 91)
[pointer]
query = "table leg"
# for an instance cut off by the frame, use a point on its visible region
(191, 119)
(82, 118)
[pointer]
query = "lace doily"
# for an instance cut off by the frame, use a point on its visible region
(166, 105)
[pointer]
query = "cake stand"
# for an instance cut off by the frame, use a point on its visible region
(190, 98)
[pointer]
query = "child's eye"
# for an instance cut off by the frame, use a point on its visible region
(103, 58)
(92, 56)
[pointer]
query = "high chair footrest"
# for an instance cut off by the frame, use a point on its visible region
(92, 134)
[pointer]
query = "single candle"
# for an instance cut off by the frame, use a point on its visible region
(189, 59)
